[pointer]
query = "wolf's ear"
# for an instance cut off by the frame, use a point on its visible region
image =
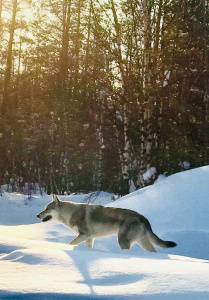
(55, 199)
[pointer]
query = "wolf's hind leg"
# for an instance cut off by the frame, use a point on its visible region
(89, 243)
(127, 233)
(145, 243)
(80, 238)
(124, 243)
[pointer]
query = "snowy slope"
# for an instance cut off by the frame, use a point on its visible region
(178, 209)
(36, 261)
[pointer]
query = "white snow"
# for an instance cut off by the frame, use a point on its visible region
(36, 261)
(149, 174)
(132, 187)
(160, 177)
(167, 75)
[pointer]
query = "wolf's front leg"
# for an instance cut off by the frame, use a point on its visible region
(89, 243)
(80, 238)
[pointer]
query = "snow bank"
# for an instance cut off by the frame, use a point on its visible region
(178, 209)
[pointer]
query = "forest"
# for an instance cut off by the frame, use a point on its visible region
(93, 93)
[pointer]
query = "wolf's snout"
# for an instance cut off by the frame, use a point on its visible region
(38, 216)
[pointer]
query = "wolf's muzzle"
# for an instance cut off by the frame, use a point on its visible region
(45, 219)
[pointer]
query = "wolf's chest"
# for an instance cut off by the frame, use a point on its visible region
(74, 228)
(67, 222)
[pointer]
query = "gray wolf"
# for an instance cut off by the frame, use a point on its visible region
(94, 221)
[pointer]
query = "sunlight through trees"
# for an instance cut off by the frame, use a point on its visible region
(94, 93)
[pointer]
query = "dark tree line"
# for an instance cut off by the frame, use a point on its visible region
(93, 93)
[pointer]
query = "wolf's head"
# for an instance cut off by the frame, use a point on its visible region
(50, 211)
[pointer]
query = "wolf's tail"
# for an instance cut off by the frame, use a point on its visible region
(160, 243)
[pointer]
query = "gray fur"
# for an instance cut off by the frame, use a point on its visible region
(92, 221)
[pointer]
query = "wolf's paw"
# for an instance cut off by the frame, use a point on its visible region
(72, 243)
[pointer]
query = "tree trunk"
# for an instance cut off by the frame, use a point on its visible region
(77, 46)
(1, 3)
(147, 134)
(6, 103)
(125, 163)
(65, 44)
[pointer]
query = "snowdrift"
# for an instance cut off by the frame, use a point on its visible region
(178, 209)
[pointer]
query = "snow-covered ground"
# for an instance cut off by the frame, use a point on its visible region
(36, 261)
